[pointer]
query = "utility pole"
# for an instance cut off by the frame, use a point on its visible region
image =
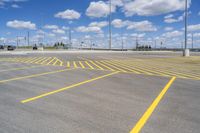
(186, 51)
(122, 42)
(70, 38)
(192, 41)
(28, 38)
(110, 30)
(17, 41)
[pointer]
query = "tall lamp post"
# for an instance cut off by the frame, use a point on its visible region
(110, 30)
(186, 51)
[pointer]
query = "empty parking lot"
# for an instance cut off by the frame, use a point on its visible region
(116, 92)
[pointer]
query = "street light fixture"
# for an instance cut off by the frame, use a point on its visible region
(110, 30)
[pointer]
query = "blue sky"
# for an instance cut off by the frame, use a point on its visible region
(48, 21)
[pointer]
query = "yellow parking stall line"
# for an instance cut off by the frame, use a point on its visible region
(91, 67)
(105, 66)
(34, 75)
(19, 59)
(115, 66)
(51, 61)
(126, 67)
(143, 120)
(81, 64)
(68, 64)
(75, 65)
(43, 62)
(24, 59)
(67, 88)
(96, 65)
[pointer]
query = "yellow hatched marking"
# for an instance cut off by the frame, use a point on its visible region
(91, 67)
(126, 67)
(75, 65)
(114, 66)
(51, 61)
(102, 64)
(38, 62)
(81, 64)
(68, 64)
(43, 62)
(96, 65)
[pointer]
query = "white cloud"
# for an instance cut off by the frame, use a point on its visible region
(196, 34)
(17, 24)
(138, 35)
(68, 14)
(152, 7)
(142, 26)
(199, 13)
(194, 27)
(89, 29)
(170, 19)
(58, 31)
(99, 24)
(118, 23)
(101, 9)
(15, 6)
(172, 34)
(168, 28)
(97, 9)
(51, 27)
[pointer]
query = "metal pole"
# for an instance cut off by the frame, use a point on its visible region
(28, 38)
(186, 51)
(192, 41)
(110, 30)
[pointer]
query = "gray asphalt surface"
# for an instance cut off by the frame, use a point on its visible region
(112, 104)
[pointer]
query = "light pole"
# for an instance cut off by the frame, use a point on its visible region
(186, 51)
(110, 30)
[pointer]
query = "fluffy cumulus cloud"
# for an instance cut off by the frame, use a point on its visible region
(89, 29)
(194, 27)
(144, 26)
(172, 34)
(138, 35)
(95, 27)
(152, 7)
(17, 24)
(51, 27)
(8, 2)
(98, 24)
(68, 14)
(171, 18)
(102, 9)
(58, 31)
(168, 28)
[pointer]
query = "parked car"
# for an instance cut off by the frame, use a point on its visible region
(1, 47)
(35, 48)
(11, 48)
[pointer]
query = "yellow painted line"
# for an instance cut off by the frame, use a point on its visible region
(34, 75)
(126, 67)
(66, 88)
(96, 65)
(81, 64)
(43, 62)
(68, 64)
(39, 58)
(22, 68)
(38, 62)
(51, 61)
(114, 66)
(139, 125)
(75, 65)
(56, 60)
(30, 59)
(102, 64)
(61, 63)
(91, 67)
